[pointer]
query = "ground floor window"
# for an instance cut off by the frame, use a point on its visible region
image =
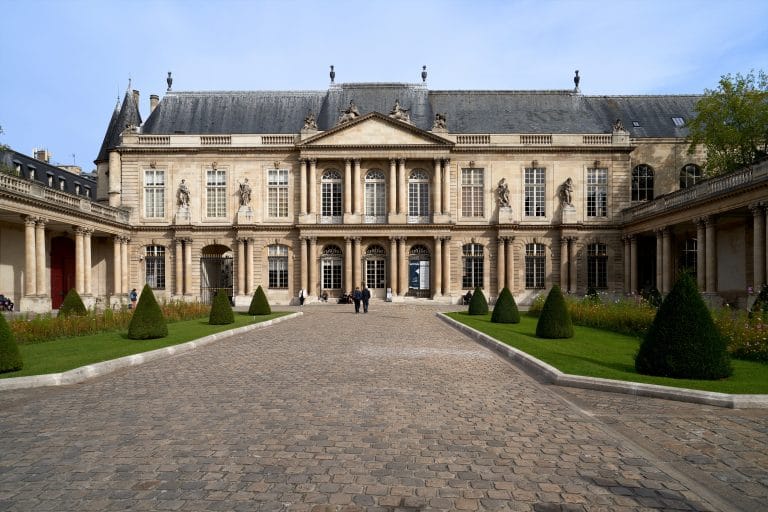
(597, 266)
(418, 271)
(472, 276)
(154, 267)
(330, 268)
(689, 256)
(278, 266)
(534, 266)
(374, 267)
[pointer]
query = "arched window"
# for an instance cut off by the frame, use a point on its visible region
(154, 266)
(375, 196)
(642, 183)
(418, 196)
(690, 174)
(375, 276)
(472, 275)
(330, 267)
(418, 271)
(277, 256)
(331, 197)
(597, 266)
(535, 260)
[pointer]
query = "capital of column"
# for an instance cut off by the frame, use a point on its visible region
(41, 221)
(446, 162)
(757, 208)
(79, 230)
(312, 161)
(660, 231)
(29, 220)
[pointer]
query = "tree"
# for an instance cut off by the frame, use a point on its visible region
(147, 321)
(10, 358)
(72, 305)
(478, 305)
(505, 310)
(221, 310)
(259, 303)
(554, 320)
(731, 123)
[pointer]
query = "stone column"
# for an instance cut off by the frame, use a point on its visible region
(313, 186)
(572, 268)
(348, 186)
(249, 289)
(348, 280)
(501, 262)
(392, 187)
(187, 266)
(486, 271)
(446, 185)
(356, 187)
(30, 255)
(357, 259)
(124, 263)
(40, 264)
(403, 271)
(240, 266)
(701, 255)
(627, 264)
(711, 256)
(447, 285)
(633, 264)
(117, 266)
(438, 273)
(438, 194)
(79, 262)
(402, 187)
(304, 254)
(758, 246)
(179, 267)
(667, 257)
(660, 260)
(564, 263)
(87, 263)
(393, 266)
(303, 187)
(510, 280)
(312, 263)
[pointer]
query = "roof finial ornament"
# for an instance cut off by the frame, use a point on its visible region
(424, 73)
(332, 74)
(576, 80)
(169, 81)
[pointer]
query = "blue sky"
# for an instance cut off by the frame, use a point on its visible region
(64, 62)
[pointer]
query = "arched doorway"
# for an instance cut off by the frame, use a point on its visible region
(215, 272)
(62, 269)
(418, 272)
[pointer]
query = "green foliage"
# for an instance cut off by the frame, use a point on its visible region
(760, 306)
(10, 358)
(72, 305)
(505, 310)
(221, 310)
(683, 341)
(592, 295)
(732, 122)
(652, 296)
(478, 305)
(148, 321)
(259, 303)
(555, 320)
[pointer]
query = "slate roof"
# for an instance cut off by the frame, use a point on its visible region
(276, 112)
(43, 170)
(127, 115)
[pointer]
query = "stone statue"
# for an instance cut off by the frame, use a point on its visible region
(566, 193)
(440, 122)
(349, 113)
(245, 193)
(182, 194)
(310, 123)
(502, 192)
(399, 113)
(618, 126)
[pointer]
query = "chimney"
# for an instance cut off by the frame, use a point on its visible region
(43, 155)
(136, 98)
(154, 99)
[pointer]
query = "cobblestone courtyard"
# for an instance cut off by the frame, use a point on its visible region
(391, 410)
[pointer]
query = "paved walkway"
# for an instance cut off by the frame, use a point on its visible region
(392, 410)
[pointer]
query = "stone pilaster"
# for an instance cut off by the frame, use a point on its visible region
(357, 187)
(117, 265)
(40, 263)
(758, 245)
(179, 253)
(124, 264)
(509, 282)
(348, 186)
(403, 266)
(187, 266)
(313, 280)
(438, 194)
(564, 263)
(711, 255)
(79, 261)
(438, 273)
(241, 266)
(356, 262)
(313, 187)
(303, 187)
(87, 263)
(348, 280)
(572, 267)
(30, 257)
(393, 266)
(249, 282)
(501, 263)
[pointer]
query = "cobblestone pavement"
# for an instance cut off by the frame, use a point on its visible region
(392, 410)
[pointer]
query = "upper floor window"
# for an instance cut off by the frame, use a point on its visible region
(597, 266)
(472, 204)
(472, 274)
(216, 192)
(375, 196)
(418, 196)
(154, 193)
(154, 266)
(277, 192)
(597, 192)
(330, 193)
(62, 184)
(642, 183)
(535, 260)
(50, 180)
(277, 256)
(77, 189)
(690, 175)
(534, 191)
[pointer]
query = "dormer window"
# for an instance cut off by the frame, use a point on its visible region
(77, 188)
(50, 180)
(62, 183)
(679, 122)
(636, 124)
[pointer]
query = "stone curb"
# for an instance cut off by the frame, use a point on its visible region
(90, 371)
(554, 376)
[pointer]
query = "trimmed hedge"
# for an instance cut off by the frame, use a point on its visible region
(683, 341)
(259, 303)
(10, 358)
(478, 305)
(760, 307)
(148, 321)
(505, 310)
(72, 305)
(554, 320)
(221, 310)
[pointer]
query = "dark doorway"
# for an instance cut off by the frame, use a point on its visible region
(646, 264)
(62, 269)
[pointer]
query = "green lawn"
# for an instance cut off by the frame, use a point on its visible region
(65, 354)
(596, 353)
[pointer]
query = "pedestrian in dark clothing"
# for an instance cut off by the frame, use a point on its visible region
(366, 298)
(357, 296)
(301, 297)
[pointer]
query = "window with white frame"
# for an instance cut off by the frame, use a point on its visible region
(375, 196)
(375, 276)
(154, 266)
(642, 183)
(472, 193)
(330, 268)
(689, 259)
(216, 192)
(535, 260)
(330, 193)
(597, 266)
(277, 192)
(597, 192)
(534, 191)
(277, 256)
(418, 195)
(154, 193)
(472, 273)
(690, 174)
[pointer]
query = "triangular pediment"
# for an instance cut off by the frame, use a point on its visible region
(375, 129)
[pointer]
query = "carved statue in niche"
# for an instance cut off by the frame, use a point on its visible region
(349, 113)
(245, 193)
(310, 123)
(566, 193)
(618, 126)
(400, 113)
(502, 192)
(440, 122)
(182, 194)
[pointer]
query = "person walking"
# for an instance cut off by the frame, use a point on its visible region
(357, 296)
(134, 297)
(301, 297)
(366, 298)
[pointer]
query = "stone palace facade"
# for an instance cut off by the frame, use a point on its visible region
(420, 195)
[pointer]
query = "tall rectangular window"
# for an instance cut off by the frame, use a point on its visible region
(277, 191)
(534, 265)
(154, 266)
(597, 192)
(154, 193)
(472, 204)
(472, 275)
(534, 192)
(278, 266)
(331, 268)
(597, 266)
(216, 185)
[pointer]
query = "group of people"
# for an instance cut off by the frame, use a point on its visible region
(357, 297)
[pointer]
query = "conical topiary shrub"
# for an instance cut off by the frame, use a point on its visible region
(10, 358)
(148, 321)
(478, 305)
(683, 341)
(221, 310)
(259, 303)
(505, 310)
(72, 305)
(554, 320)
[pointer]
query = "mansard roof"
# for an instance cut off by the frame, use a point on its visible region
(127, 115)
(530, 112)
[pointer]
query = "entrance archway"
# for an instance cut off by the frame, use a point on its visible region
(62, 269)
(418, 272)
(216, 272)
